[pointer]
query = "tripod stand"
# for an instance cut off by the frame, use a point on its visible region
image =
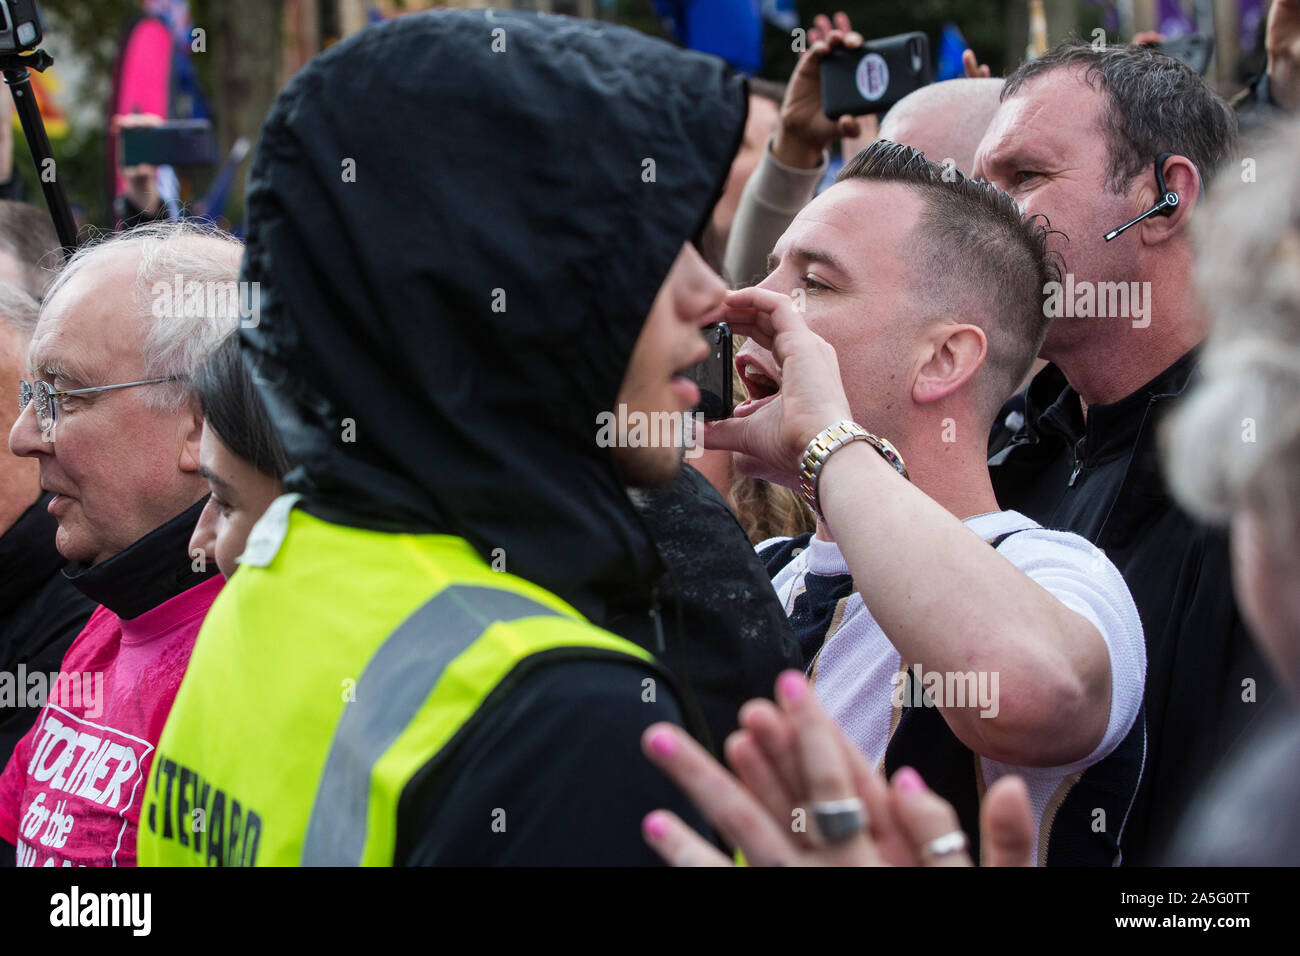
(15, 68)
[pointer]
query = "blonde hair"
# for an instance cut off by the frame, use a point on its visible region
(766, 510)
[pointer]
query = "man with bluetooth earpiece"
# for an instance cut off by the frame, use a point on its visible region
(1115, 148)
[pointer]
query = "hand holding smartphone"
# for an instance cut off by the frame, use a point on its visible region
(172, 143)
(876, 75)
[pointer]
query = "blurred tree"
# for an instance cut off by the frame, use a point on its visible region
(79, 159)
(238, 67)
(640, 15)
(1064, 18)
(240, 70)
(93, 30)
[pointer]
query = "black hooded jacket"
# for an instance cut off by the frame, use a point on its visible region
(458, 222)
(456, 249)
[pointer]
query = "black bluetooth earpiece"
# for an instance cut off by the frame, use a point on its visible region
(1168, 199)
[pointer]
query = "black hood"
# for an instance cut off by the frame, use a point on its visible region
(456, 246)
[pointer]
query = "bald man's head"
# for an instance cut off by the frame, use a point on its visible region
(944, 120)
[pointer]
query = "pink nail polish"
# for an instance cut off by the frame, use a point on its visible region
(909, 781)
(792, 685)
(662, 743)
(655, 825)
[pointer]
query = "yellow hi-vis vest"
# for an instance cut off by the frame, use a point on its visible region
(334, 665)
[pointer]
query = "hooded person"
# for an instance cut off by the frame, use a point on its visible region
(459, 223)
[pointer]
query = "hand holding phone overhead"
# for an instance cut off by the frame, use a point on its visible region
(156, 142)
(804, 130)
(875, 76)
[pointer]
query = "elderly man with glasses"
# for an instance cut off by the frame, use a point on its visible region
(108, 416)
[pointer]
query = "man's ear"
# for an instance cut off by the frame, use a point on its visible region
(954, 352)
(1181, 178)
(192, 433)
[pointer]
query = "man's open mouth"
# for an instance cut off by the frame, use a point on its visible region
(759, 384)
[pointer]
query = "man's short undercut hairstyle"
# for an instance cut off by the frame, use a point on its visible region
(976, 260)
(1154, 104)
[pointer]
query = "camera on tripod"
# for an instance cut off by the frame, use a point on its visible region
(20, 27)
(20, 34)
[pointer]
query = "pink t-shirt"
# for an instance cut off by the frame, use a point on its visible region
(71, 793)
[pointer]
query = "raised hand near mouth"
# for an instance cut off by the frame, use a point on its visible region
(811, 395)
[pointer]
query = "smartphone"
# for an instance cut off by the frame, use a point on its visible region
(876, 75)
(713, 375)
(1193, 49)
(174, 143)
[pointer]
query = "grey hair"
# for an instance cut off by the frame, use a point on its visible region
(178, 339)
(1154, 104)
(18, 308)
(27, 234)
(1234, 444)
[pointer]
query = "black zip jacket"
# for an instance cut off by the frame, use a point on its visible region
(1205, 680)
(41, 613)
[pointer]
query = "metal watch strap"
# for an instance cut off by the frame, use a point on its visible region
(827, 441)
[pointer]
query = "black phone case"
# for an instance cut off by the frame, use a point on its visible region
(875, 76)
(713, 375)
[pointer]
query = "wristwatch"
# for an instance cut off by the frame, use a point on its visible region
(827, 441)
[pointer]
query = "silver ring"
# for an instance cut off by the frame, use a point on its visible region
(946, 845)
(839, 820)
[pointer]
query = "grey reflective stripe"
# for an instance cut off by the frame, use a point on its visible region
(389, 693)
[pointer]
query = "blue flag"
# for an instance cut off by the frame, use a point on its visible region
(731, 29)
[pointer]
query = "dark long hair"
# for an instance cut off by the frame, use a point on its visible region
(234, 410)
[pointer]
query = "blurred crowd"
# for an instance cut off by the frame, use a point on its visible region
(318, 547)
